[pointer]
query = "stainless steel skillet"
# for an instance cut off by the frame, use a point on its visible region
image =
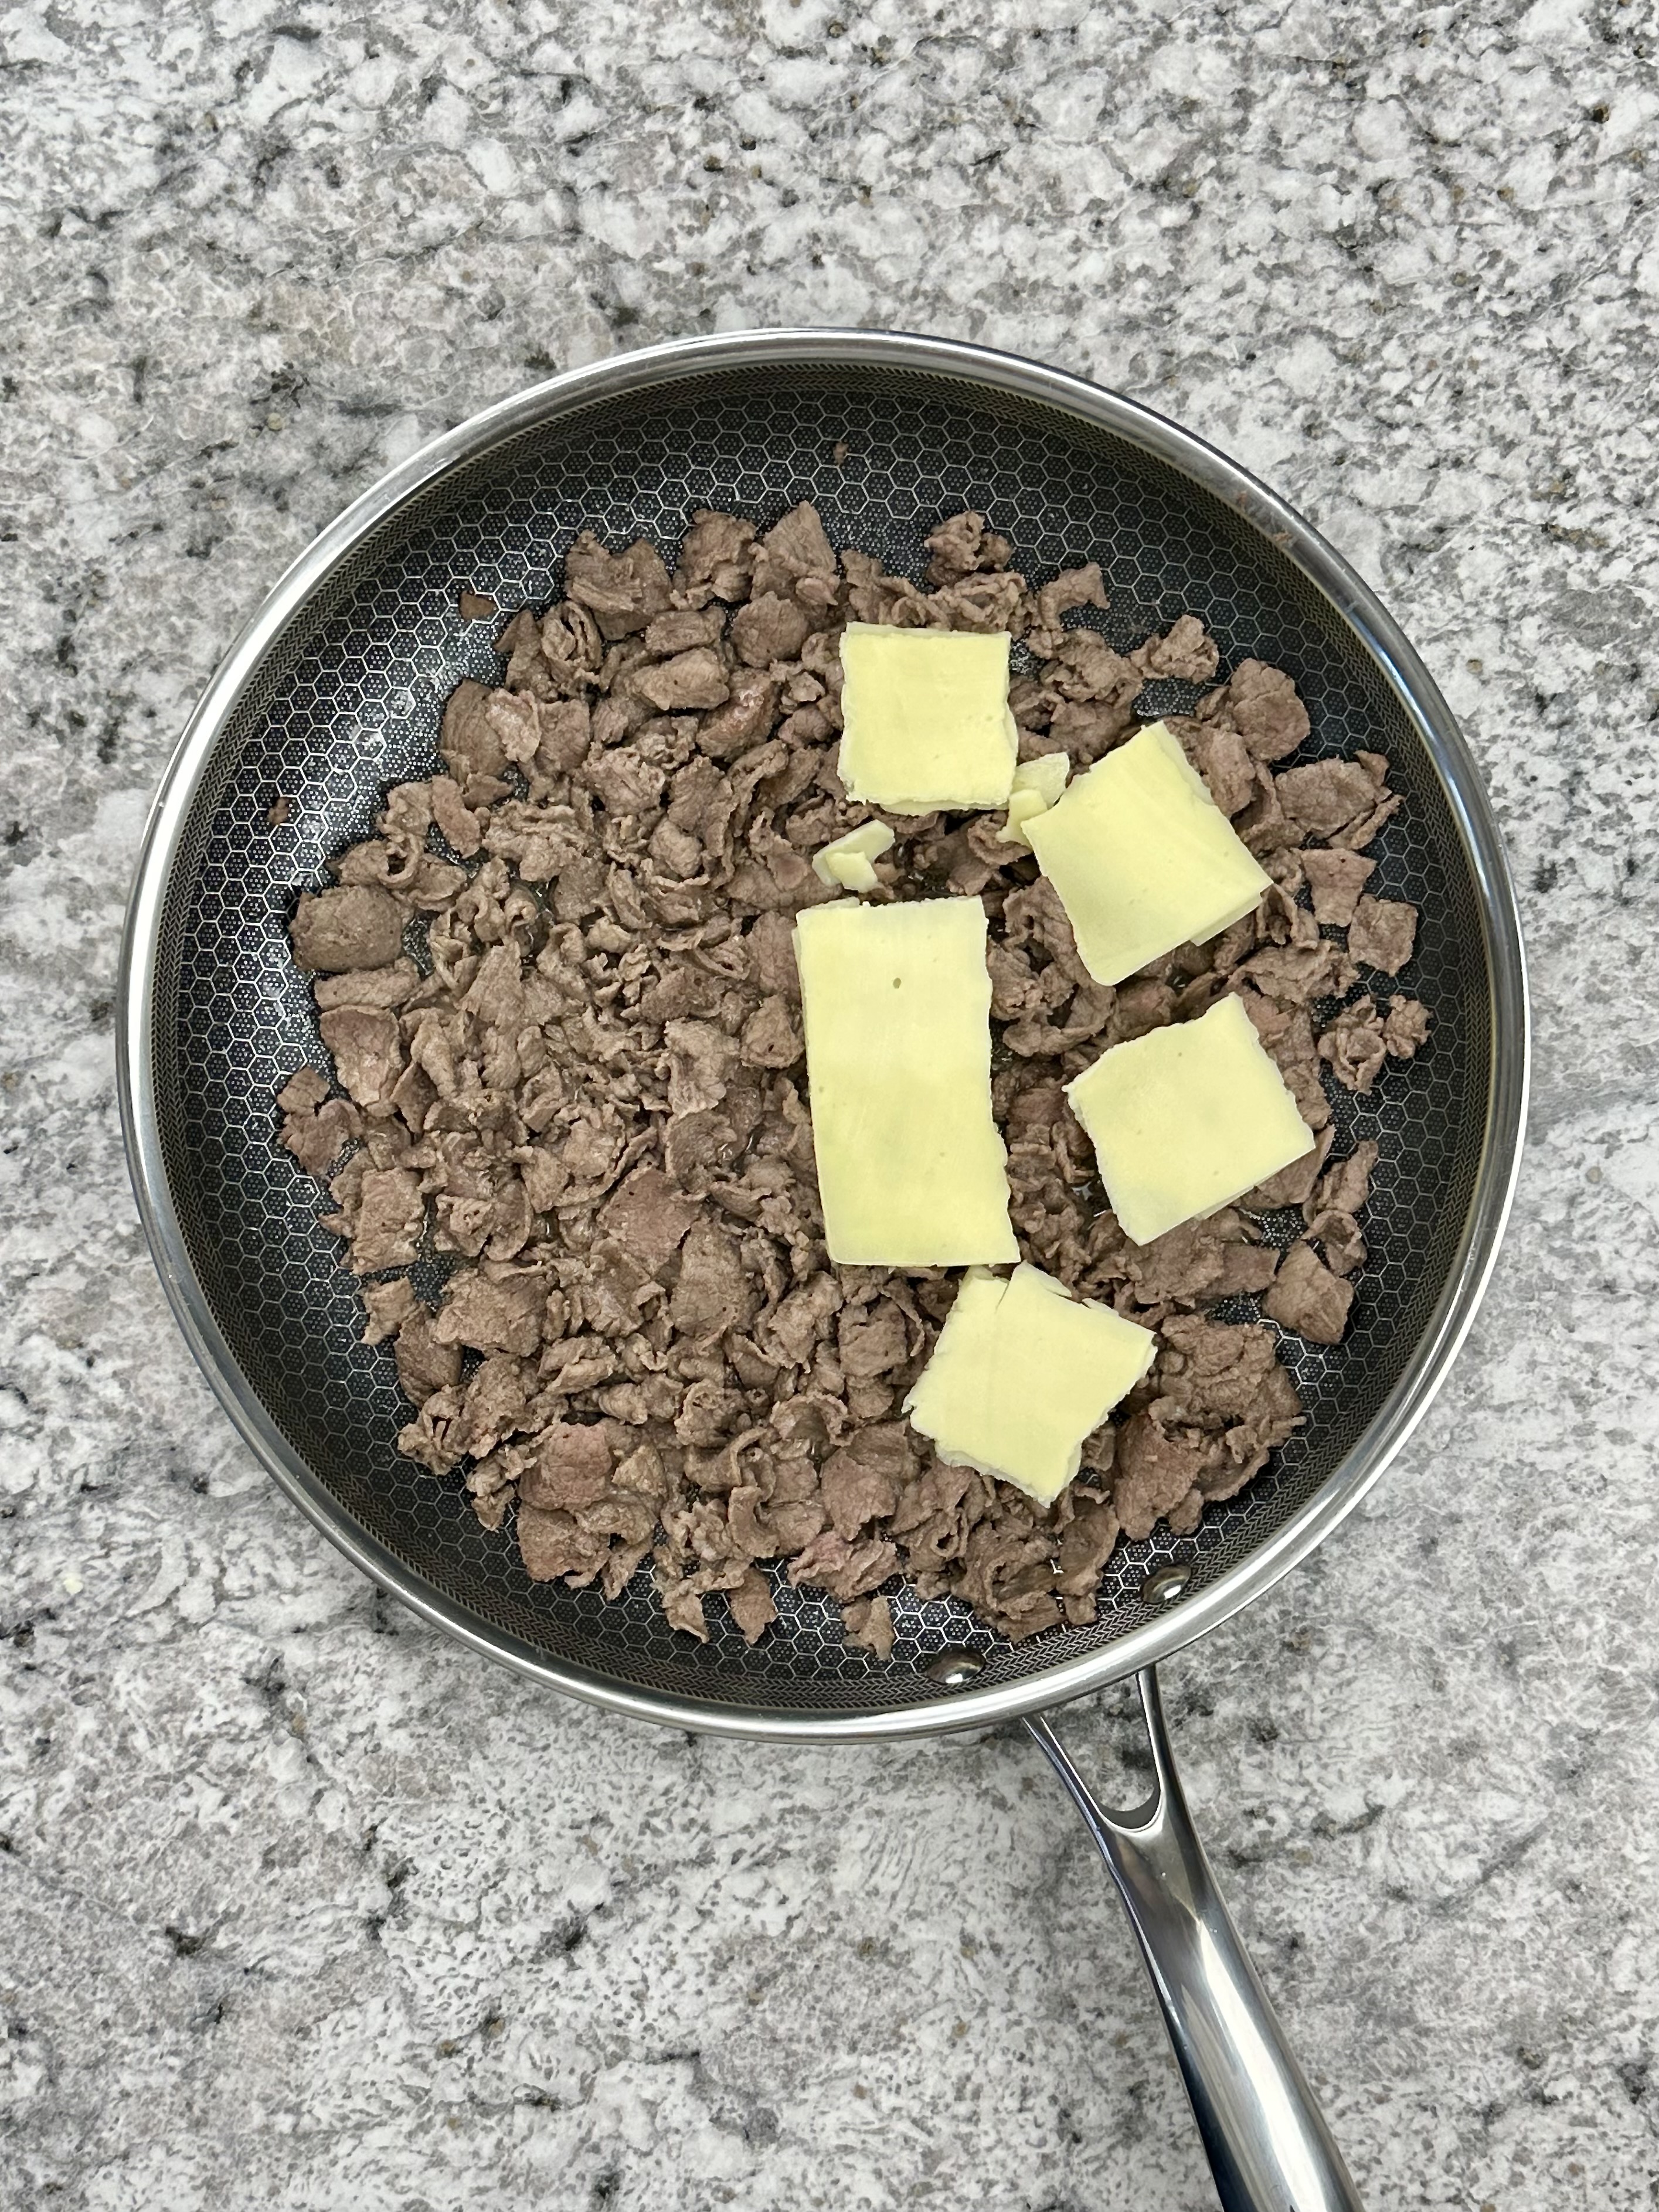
(335, 689)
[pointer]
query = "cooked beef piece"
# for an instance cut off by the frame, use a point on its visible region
(1154, 1470)
(554, 1545)
(425, 1365)
(961, 545)
(1292, 1185)
(368, 1048)
(316, 1128)
(1404, 1027)
(716, 558)
(388, 1306)
(1382, 933)
(621, 591)
(572, 1468)
(1336, 878)
(1325, 796)
(1346, 1184)
(769, 629)
(1294, 975)
(491, 1314)
(794, 557)
(869, 1625)
(355, 926)
(1221, 757)
(1072, 588)
(1353, 1046)
(1186, 649)
(1345, 1247)
(648, 1217)
(690, 679)
(1262, 704)
(584, 1086)
(752, 1609)
(1308, 1297)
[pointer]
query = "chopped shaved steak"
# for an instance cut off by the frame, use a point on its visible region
(1382, 933)
(557, 989)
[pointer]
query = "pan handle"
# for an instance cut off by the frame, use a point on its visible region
(1268, 2148)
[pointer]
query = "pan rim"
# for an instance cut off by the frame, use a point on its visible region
(1401, 668)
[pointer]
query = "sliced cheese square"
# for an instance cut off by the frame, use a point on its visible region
(1186, 1119)
(924, 718)
(897, 1003)
(847, 860)
(1142, 857)
(1021, 1375)
(1037, 784)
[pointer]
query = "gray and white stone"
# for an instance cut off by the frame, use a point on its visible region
(304, 1908)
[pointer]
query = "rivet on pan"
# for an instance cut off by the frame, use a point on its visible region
(954, 1670)
(1165, 1585)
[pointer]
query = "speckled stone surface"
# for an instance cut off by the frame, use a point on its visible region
(300, 1906)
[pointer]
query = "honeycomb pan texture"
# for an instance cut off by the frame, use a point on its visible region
(349, 700)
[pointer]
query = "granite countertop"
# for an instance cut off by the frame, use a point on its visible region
(305, 1907)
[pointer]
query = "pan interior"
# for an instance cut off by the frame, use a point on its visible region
(349, 700)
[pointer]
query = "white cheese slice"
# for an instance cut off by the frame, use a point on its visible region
(924, 718)
(1021, 1373)
(1142, 857)
(1037, 784)
(897, 1001)
(1186, 1119)
(847, 860)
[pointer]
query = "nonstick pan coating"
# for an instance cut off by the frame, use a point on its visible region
(336, 691)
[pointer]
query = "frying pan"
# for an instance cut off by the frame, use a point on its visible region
(335, 689)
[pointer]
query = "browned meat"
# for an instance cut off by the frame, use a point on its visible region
(368, 1052)
(1353, 1046)
(648, 1217)
(583, 1087)
(355, 926)
(621, 591)
(1073, 587)
(1325, 796)
(316, 1128)
(1308, 1297)
(716, 558)
(571, 1468)
(552, 1545)
(492, 1316)
(1185, 649)
(1345, 1247)
(861, 1482)
(753, 1610)
(1336, 878)
(769, 629)
(695, 679)
(962, 544)
(425, 1366)
(869, 1626)
(1405, 1028)
(1221, 757)
(1262, 704)
(1345, 1187)
(1382, 934)
(1154, 1470)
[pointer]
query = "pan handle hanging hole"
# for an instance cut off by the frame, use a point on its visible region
(1166, 1585)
